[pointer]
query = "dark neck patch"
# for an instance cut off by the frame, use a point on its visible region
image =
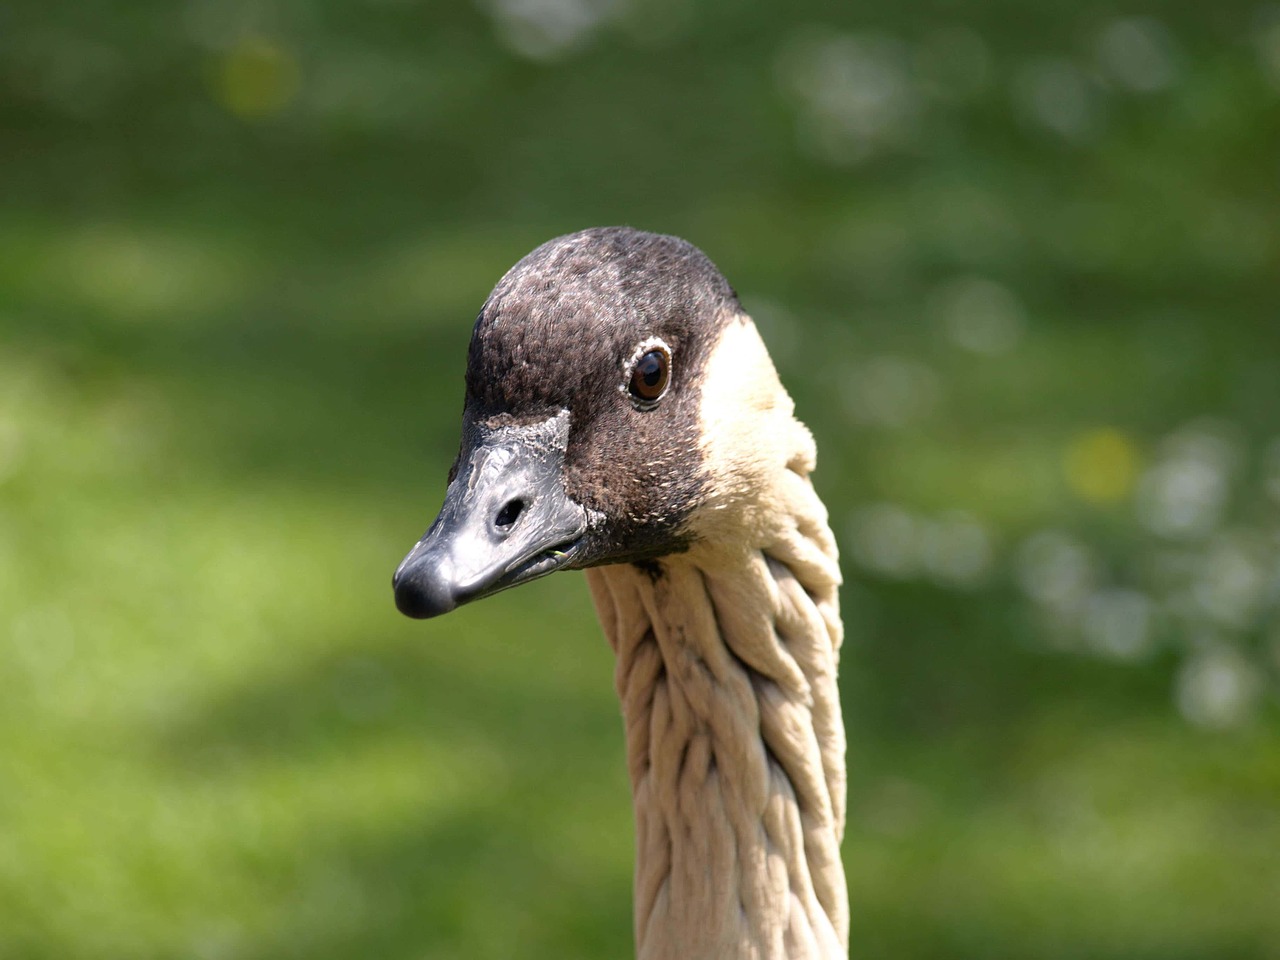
(653, 569)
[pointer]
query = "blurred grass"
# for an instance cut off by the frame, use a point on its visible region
(240, 251)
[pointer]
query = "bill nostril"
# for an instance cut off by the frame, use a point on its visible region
(509, 514)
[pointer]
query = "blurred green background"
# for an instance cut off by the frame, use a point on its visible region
(1017, 263)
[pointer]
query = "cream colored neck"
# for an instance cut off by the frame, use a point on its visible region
(726, 670)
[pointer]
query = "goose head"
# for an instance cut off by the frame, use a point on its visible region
(617, 410)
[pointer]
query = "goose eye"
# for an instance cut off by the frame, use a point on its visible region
(649, 376)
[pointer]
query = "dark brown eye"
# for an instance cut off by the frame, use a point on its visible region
(649, 376)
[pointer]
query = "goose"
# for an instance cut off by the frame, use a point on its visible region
(623, 417)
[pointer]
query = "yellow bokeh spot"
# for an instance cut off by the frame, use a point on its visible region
(255, 78)
(1101, 465)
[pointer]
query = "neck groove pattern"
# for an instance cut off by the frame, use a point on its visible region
(726, 672)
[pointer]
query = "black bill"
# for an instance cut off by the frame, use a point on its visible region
(506, 520)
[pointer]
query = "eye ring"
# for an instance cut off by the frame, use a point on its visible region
(649, 374)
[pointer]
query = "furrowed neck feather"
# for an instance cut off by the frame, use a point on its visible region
(726, 672)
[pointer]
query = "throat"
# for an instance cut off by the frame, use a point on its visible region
(726, 672)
